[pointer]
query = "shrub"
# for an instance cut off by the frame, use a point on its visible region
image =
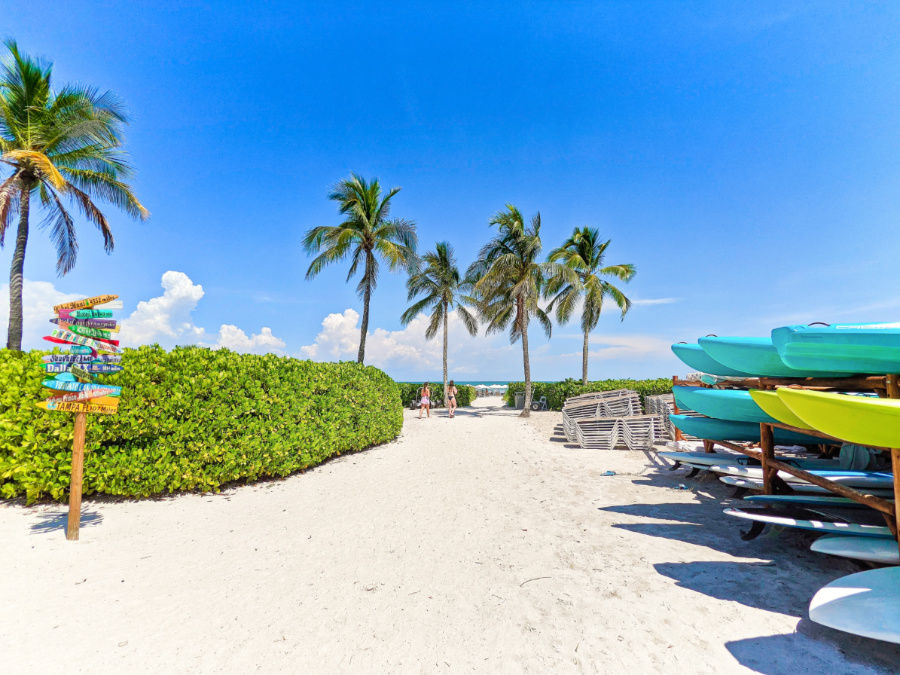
(465, 393)
(192, 419)
(558, 392)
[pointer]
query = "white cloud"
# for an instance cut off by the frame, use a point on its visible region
(168, 320)
(654, 301)
(38, 299)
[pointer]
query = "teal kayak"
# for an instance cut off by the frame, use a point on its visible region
(694, 357)
(756, 356)
(725, 430)
(868, 348)
(723, 404)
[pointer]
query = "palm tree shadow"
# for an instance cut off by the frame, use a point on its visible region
(56, 520)
(816, 646)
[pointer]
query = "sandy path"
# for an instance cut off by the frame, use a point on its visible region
(480, 544)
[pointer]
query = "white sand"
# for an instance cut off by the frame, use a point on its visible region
(477, 544)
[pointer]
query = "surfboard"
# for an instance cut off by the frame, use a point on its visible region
(726, 430)
(858, 419)
(723, 404)
(693, 356)
(815, 522)
(722, 459)
(854, 479)
(866, 603)
(757, 356)
(884, 551)
(802, 488)
(866, 348)
(775, 407)
(807, 499)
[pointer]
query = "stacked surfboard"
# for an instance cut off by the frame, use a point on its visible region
(864, 604)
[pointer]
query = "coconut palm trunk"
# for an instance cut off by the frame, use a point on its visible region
(446, 400)
(523, 326)
(584, 359)
(364, 329)
(16, 274)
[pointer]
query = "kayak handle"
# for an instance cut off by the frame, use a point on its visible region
(710, 335)
(818, 323)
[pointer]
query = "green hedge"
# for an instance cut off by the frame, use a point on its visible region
(192, 419)
(465, 393)
(558, 392)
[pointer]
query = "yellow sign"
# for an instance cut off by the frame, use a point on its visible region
(87, 302)
(97, 406)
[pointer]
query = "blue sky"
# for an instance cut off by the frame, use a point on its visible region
(742, 155)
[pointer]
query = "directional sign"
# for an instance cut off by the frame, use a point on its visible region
(116, 304)
(58, 334)
(90, 332)
(76, 407)
(85, 314)
(82, 358)
(87, 394)
(78, 371)
(103, 324)
(95, 368)
(86, 303)
(61, 385)
(81, 350)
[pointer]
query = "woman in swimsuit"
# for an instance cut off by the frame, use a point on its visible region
(451, 398)
(425, 401)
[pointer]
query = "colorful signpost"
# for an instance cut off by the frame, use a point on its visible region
(85, 327)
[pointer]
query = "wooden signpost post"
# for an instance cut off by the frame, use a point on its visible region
(85, 327)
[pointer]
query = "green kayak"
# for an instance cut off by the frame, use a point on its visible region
(858, 419)
(775, 407)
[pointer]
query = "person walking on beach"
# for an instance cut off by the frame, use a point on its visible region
(451, 398)
(425, 401)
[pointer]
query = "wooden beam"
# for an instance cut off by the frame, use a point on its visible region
(872, 501)
(767, 454)
(893, 391)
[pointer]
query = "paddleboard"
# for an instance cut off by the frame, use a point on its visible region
(725, 430)
(775, 407)
(693, 356)
(723, 404)
(815, 522)
(866, 603)
(753, 355)
(854, 479)
(867, 348)
(809, 500)
(802, 488)
(722, 459)
(859, 419)
(884, 551)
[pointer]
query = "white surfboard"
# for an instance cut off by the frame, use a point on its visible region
(823, 525)
(855, 479)
(805, 488)
(867, 604)
(807, 499)
(703, 459)
(884, 551)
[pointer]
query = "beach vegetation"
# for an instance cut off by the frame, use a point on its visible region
(585, 254)
(192, 419)
(61, 146)
(558, 392)
(465, 395)
(444, 289)
(367, 236)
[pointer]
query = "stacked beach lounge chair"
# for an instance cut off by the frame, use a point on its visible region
(603, 420)
(664, 405)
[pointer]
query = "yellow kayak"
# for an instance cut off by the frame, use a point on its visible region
(858, 419)
(775, 407)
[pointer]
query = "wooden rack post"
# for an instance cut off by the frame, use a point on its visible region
(678, 435)
(893, 391)
(74, 523)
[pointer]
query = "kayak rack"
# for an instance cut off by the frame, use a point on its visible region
(886, 386)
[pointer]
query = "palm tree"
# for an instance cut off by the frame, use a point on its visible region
(508, 281)
(585, 254)
(444, 290)
(365, 235)
(65, 143)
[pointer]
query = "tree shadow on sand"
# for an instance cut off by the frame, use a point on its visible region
(56, 520)
(777, 654)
